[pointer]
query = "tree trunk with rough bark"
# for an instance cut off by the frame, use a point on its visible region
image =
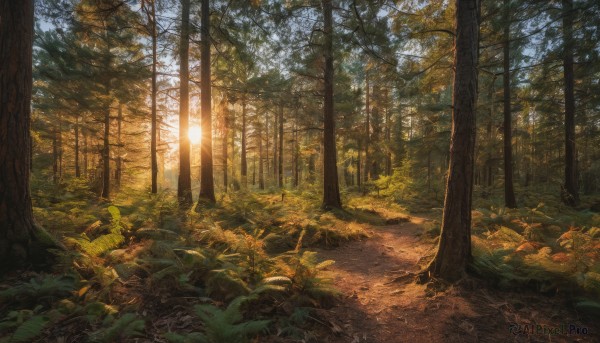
(454, 248)
(280, 155)
(22, 241)
(331, 191)
(207, 187)
(509, 192)
(244, 160)
(571, 182)
(184, 181)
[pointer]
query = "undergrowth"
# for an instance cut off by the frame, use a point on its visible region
(242, 269)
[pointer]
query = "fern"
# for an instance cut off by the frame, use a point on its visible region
(115, 330)
(47, 288)
(223, 325)
(27, 330)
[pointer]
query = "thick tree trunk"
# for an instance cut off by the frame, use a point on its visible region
(184, 181)
(280, 161)
(244, 161)
(207, 189)
(509, 192)
(331, 192)
(153, 153)
(571, 182)
(22, 242)
(454, 249)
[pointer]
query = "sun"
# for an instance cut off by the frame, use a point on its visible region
(195, 134)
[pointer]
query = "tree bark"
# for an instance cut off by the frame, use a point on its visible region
(454, 249)
(571, 183)
(358, 162)
(367, 128)
(106, 150)
(280, 155)
(275, 164)
(119, 167)
(388, 134)
(77, 168)
(225, 134)
(509, 192)
(244, 161)
(261, 172)
(296, 150)
(207, 189)
(331, 192)
(22, 241)
(184, 181)
(153, 157)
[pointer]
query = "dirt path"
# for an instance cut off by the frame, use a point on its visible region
(379, 305)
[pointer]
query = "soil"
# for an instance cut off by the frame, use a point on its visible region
(380, 301)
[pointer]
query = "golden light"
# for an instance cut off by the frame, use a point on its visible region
(195, 134)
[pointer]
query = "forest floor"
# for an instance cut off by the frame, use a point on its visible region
(380, 301)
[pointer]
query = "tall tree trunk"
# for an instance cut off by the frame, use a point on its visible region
(184, 180)
(388, 134)
(244, 162)
(509, 192)
(331, 192)
(232, 129)
(571, 183)
(367, 128)
(358, 162)
(85, 152)
(261, 172)
(267, 145)
(454, 249)
(489, 163)
(153, 153)
(22, 242)
(106, 151)
(77, 168)
(296, 151)
(119, 167)
(254, 169)
(280, 167)
(275, 164)
(207, 187)
(225, 134)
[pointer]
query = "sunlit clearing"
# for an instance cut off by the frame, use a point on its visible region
(195, 134)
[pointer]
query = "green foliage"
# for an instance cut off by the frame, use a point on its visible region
(28, 326)
(105, 242)
(115, 330)
(223, 325)
(526, 247)
(399, 185)
(310, 288)
(44, 289)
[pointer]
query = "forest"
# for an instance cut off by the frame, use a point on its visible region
(316, 171)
